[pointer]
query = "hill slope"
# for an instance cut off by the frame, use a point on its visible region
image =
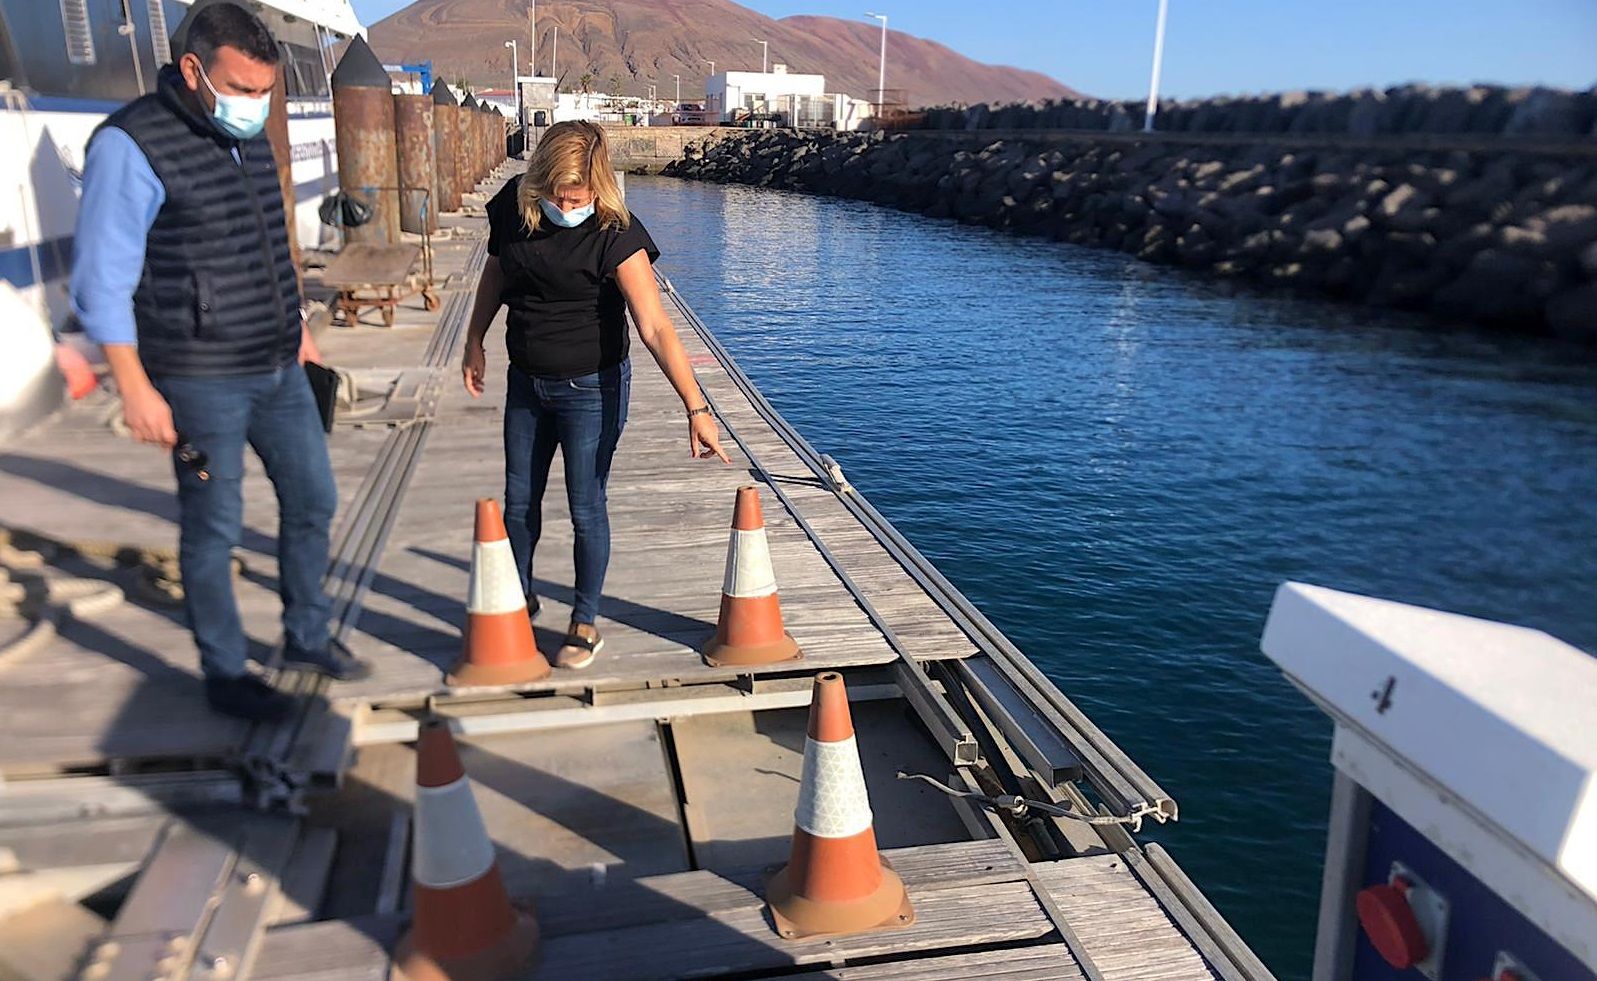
(628, 43)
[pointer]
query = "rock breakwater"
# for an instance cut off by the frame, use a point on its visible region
(1505, 238)
(1482, 110)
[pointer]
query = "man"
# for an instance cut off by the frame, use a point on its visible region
(183, 275)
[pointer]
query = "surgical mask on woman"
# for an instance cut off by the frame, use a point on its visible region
(566, 219)
(239, 116)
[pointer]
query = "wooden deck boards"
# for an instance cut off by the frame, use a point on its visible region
(1122, 927)
(644, 844)
(693, 924)
(740, 778)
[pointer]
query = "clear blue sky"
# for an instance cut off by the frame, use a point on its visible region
(1104, 47)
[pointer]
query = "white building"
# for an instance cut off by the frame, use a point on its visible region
(599, 107)
(781, 97)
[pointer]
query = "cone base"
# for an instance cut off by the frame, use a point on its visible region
(468, 675)
(797, 917)
(719, 654)
(508, 958)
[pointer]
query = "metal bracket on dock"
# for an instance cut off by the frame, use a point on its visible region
(834, 475)
(199, 908)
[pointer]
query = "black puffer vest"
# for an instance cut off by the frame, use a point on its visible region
(218, 295)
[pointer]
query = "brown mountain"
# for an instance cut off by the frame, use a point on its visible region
(626, 44)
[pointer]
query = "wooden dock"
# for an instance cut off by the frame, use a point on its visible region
(638, 803)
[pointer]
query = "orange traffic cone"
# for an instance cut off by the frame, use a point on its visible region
(499, 648)
(464, 927)
(75, 370)
(835, 881)
(750, 629)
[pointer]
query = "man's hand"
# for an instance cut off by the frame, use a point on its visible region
(473, 367)
(308, 351)
(148, 417)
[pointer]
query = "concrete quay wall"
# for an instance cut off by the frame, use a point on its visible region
(648, 149)
(1505, 235)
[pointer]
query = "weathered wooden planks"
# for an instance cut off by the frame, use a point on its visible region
(699, 923)
(1122, 927)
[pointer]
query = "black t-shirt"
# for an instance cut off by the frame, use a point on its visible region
(566, 315)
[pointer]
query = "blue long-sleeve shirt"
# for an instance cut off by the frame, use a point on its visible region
(121, 197)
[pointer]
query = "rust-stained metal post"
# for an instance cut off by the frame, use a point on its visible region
(446, 143)
(487, 141)
(481, 123)
(484, 150)
(413, 132)
(496, 137)
(468, 158)
(283, 151)
(363, 114)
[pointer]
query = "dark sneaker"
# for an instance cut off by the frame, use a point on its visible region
(333, 661)
(247, 697)
(581, 647)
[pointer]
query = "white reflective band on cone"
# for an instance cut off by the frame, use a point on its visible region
(452, 846)
(495, 585)
(832, 800)
(748, 565)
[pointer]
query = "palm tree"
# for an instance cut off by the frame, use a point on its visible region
(586, 80)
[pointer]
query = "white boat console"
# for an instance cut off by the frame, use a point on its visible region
(1463, 831)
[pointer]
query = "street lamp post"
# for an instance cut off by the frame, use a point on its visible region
(679, 90)
(881, 63)
(765, 55)
(554, 55)
(711, 63)
(515, 70)
(1158, 63)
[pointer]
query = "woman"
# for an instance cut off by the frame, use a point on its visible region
(567, 260)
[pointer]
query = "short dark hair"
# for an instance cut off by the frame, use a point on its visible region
(228, 25)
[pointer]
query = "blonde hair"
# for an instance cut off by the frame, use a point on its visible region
(572, 153)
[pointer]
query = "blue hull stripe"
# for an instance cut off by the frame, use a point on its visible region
(55, 262)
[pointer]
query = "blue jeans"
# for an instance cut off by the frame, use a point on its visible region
(275, 413)
(584, 416)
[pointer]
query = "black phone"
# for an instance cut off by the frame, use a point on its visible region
(324, 388)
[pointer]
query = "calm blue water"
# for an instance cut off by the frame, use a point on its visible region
(1119, 464)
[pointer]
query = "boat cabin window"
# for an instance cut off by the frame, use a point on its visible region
(303, 71)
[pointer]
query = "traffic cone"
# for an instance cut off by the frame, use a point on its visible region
(75, 370)
(499, 647)
(750, 628)
(464, 927)
(835, 881)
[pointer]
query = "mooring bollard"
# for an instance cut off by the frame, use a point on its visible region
(363, 119)
(446, 144)
(413, 135)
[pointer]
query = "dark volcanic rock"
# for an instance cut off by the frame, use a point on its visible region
(1504, 238)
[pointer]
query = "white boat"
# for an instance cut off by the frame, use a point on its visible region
(67, 64)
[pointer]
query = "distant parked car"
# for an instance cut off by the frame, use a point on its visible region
(693, 114)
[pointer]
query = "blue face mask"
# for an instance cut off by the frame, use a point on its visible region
(566, 219)
(239, 116)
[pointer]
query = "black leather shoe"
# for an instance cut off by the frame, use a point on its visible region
(247, 697)
(334, 661)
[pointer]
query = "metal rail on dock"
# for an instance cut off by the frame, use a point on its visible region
(1124, 787)
(284, 759)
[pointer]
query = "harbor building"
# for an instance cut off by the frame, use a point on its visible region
(781, 97)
